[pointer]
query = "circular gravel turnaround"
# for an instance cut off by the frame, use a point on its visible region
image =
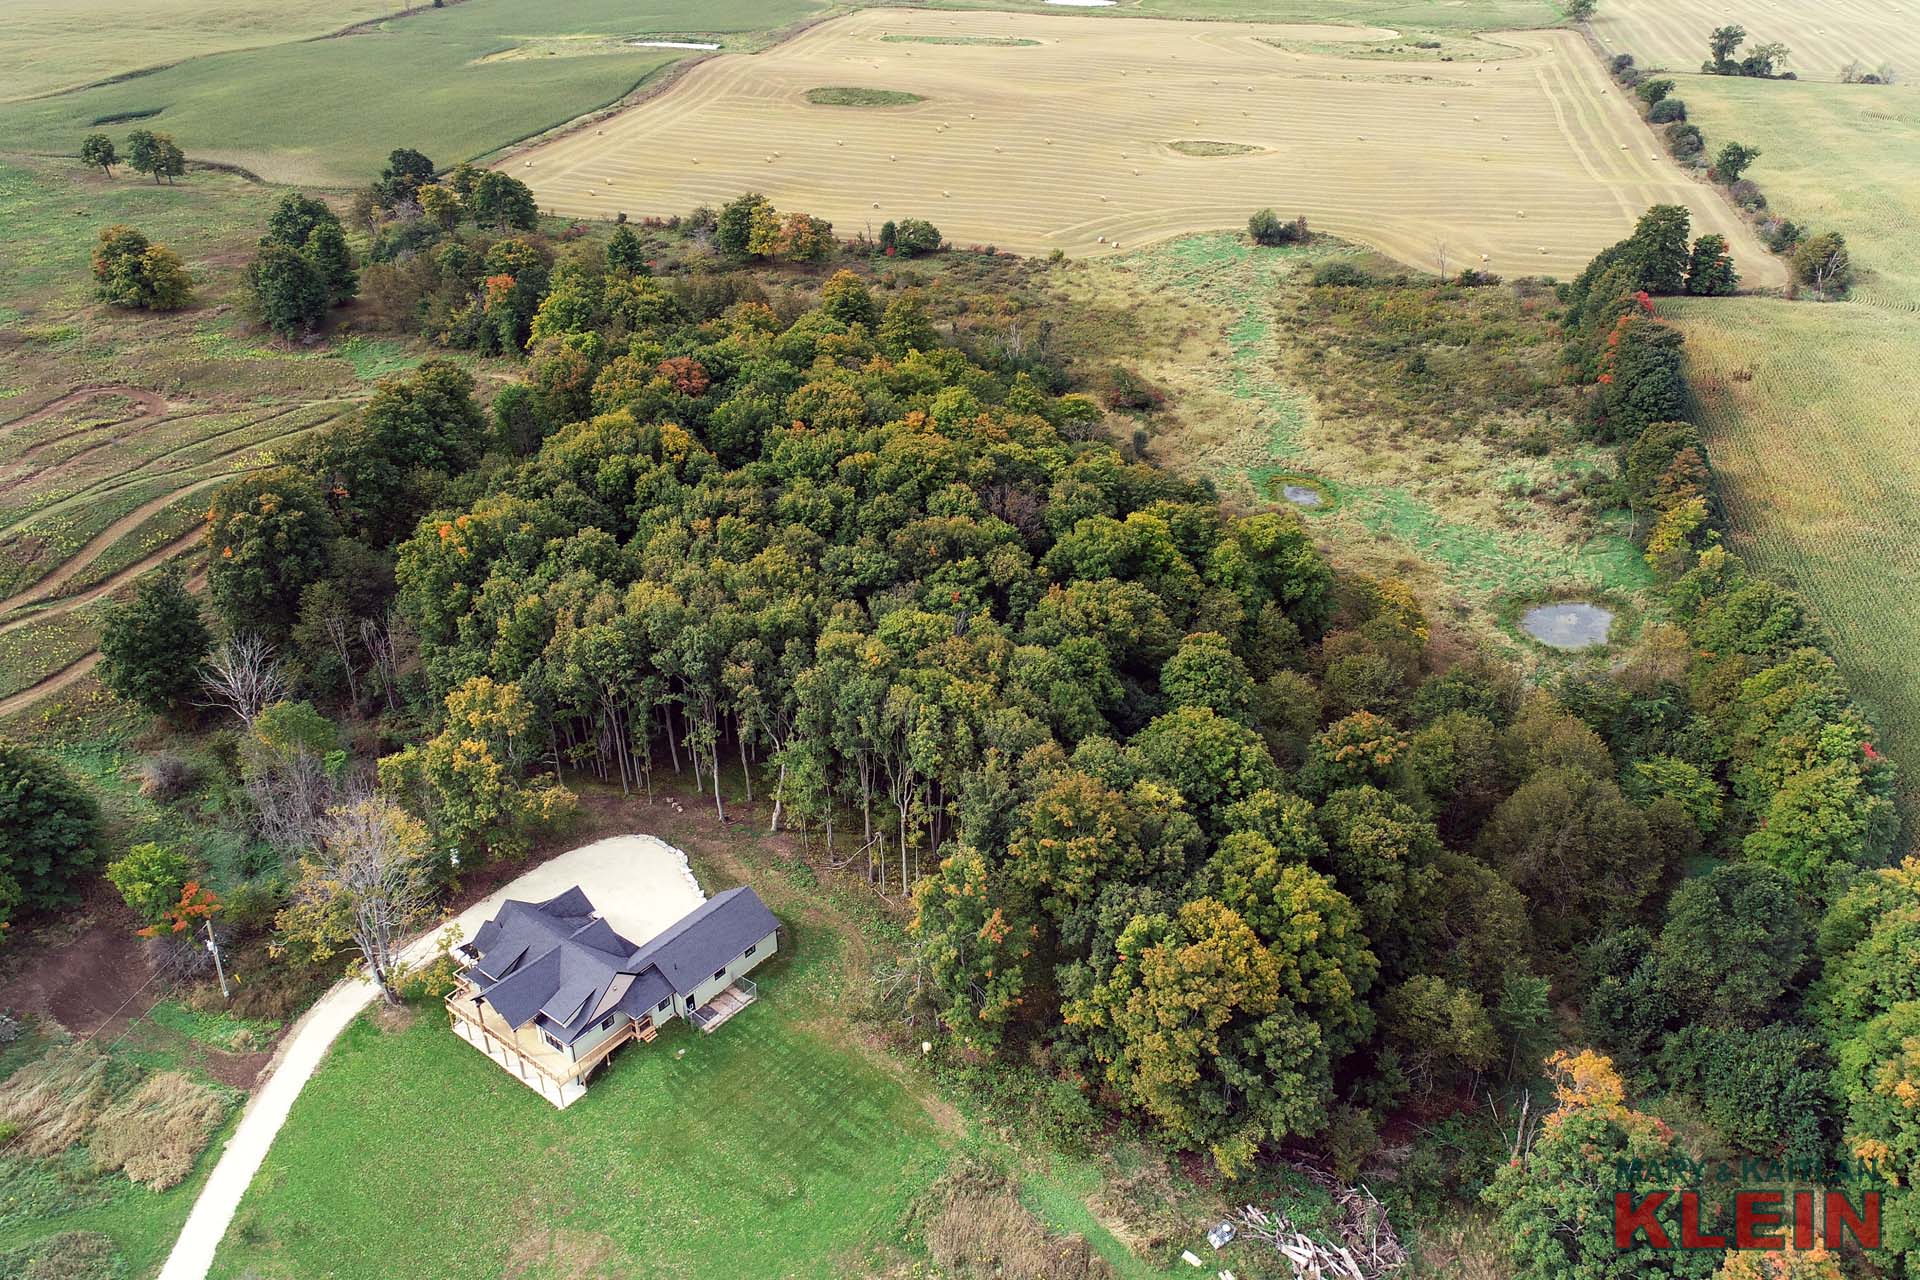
(1063, 143)
(640, 884)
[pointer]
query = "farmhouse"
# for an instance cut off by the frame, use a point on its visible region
(550, 990)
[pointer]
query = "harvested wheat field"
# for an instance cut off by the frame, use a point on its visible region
(1823, 37)
(1067, 142)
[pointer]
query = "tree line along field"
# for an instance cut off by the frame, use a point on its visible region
(326, 112)
(1809, 412)
(1824, 37)
(1528, 165)
(1833, 156)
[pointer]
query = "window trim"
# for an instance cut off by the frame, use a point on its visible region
(719, 974)
(751, 948)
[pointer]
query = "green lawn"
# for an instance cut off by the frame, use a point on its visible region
(771, 1148)
(455, 82)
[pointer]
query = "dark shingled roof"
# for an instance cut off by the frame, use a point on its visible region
(560, 966)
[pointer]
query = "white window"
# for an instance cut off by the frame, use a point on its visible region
(749, 951)
(719, 974)
(548, 1037)
(606, 1023)
(662, 1008)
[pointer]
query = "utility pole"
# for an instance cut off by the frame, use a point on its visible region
(213, 945)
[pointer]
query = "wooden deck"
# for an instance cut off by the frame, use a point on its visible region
(709, 1016)
(527, 1057)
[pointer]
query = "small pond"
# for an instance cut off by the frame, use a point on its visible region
(1302, 495)
(1568, 624)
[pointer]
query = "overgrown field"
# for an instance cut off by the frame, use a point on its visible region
(1810, 415)
(55, 1177)
(1526, 162)
(447, 81)
(1837, 157)
(115, 425)
(58, 44)
(1823, 37)
(1461, 470)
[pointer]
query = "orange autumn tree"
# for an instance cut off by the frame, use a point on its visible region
(1792, 1264)
(197, 903)
(1555, 1199)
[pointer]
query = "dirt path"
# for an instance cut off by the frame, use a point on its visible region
(98, 545)
(78, 669)
(65, 676)
(149, 402)
(87, 975)
(183, 543)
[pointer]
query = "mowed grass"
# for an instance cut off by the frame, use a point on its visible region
(1836, 157)
(772, 1148)
(1811, 418)
(58, 44)
(327, 112)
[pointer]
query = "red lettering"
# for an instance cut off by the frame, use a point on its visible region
(1629, 1220)
(1865, 1229)
(1748, 1218)
(1690, 1237)
(1803, 1220)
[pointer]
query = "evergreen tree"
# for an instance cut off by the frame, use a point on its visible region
(151, 648)
(626, 253)
(1710, 270)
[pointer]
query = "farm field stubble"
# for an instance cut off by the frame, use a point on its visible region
(1810, 416)
(1823, 37)
(1532, 161)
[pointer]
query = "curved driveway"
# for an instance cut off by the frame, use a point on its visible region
(639, 883)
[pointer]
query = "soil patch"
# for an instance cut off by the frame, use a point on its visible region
(87, 972)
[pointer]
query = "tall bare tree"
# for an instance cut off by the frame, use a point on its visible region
(363, 890)
(244, 676)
